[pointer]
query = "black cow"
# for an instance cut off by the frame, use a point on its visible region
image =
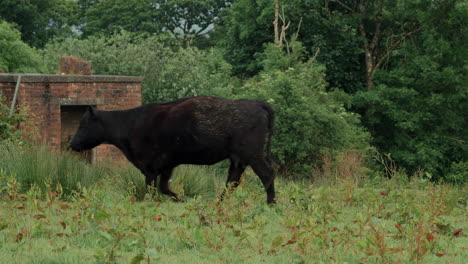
(199, 130)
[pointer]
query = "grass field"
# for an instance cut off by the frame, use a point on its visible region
(111, 221)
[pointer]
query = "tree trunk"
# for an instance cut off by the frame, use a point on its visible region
(276, 23)
(370, 67)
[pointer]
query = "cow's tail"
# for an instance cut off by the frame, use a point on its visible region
(271, 121)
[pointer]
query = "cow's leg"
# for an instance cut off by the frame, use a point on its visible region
(267, 177)
(151, 177)
(164, 183)
(235, 171)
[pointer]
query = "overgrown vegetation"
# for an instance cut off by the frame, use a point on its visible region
(346, 219)
(8, 123)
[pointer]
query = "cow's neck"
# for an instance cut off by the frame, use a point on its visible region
(117, 124)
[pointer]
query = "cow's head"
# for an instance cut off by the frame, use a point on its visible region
(90, 133)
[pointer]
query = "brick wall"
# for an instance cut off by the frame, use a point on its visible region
(44, 95)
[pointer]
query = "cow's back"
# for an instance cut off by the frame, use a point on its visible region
(221, 117)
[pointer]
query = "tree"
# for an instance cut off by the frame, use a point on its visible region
(186, 20)
(40, 20)
(242, 31)
(191, 19)
(248, 25)
(15, 55)
(419, 102)
(383, 26)
(111, 16)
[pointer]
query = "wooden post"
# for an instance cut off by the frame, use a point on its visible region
(12, 108)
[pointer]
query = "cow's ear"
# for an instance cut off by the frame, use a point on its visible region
(92, 112)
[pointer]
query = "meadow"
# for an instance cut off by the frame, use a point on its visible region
(57, 209)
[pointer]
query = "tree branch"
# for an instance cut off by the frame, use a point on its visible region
(275, 23)
(378, 24)
(314, 57)
(393, 47)
(343, 5)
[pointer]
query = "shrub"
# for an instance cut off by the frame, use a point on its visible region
(310, 122)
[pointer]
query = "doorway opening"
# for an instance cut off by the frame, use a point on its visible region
(70, 116)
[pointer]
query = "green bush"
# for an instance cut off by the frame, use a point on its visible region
(310, 122)
(16, 56)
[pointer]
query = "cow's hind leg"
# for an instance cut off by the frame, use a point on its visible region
(164, 183)
(235, 171)
(267, 177)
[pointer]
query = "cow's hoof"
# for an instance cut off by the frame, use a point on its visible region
(181, 199)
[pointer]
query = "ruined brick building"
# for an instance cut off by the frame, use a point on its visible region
(56, 103)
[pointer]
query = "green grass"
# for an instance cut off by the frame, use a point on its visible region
(37, 166)
(379, 221)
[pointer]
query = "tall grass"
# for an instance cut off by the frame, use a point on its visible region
(38, 166)
(187, 180)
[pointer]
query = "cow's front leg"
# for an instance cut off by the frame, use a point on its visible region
(164, 183)
(151, 178)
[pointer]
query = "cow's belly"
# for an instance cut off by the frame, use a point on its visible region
(202, 156)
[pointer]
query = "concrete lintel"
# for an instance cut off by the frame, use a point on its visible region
(81, 101)
(54, 78)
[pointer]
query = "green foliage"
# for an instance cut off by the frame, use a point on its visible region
(244, 28)
(309, 122)
(458, 173)
(189, 72)
(16, 56)
(185, 20)
(190, 19)
(9, 123)
(417, 109)
(247, 25)
(106, 17)
(124, 53)
(169, 73)
(40, 20)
